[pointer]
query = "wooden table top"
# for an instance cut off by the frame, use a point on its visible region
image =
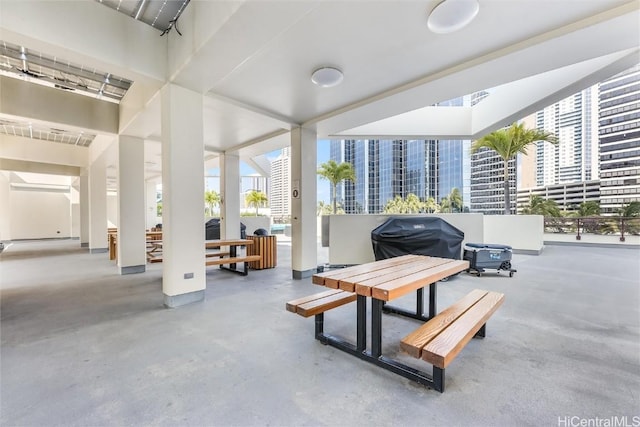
(391, 278)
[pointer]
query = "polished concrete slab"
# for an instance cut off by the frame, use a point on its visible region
(82, 345)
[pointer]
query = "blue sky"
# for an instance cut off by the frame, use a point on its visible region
(323, 156)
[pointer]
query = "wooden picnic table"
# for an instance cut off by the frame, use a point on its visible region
(381, 282)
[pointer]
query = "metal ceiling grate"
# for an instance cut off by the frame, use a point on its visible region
(18, 61)
(34, 131)
(160, 14)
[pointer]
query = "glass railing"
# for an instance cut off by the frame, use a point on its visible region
(598, 225)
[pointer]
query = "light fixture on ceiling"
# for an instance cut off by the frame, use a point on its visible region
(452, 15)
(327, 77)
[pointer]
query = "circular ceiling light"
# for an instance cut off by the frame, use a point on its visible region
(452, 15)
(327, 77)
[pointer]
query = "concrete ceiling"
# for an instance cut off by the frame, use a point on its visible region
(252, 61)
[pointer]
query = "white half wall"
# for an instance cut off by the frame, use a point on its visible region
(350, 235)
(524, 233)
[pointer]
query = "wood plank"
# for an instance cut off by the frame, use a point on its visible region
(396, 288)
(446, 346)
(214, 254)
(364, 284)
(293, 304)
(232, 260)
(331, 278)
(212, 244)
(327, 303)
(412, 344)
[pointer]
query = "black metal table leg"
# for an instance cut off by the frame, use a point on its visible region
(420, 301)
(432, 300)
(361, 323)
(376, 327)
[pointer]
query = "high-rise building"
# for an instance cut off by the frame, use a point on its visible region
(487, 182)
(385, 169)
(280, 196)
(574, 122)
(620, 140)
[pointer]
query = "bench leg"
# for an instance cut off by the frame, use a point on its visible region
(438, 379)
(319, 326)
(481, 333)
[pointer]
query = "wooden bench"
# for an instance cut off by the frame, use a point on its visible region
(320, 302)
(441, 339)
(244, 259)
(317, 304)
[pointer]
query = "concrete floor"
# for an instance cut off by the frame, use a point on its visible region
(83, 346)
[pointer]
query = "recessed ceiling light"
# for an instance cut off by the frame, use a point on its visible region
(452, 15)
(327, 76)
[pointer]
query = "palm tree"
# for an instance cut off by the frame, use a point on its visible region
(395, 205)
(455, 199)
(212, 199)
(256, 198)
(590, 208)
(630, 210)
(336, 173)
(539, 206)
(445, 204)
(414, 205)
(430, 205)
(508, 142)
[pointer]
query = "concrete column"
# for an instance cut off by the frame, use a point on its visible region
(151, 190)
(132, 256)
(304, 247)
(230, 194)
(84, 209)
(75, 208)
(183, 269)
(98, 207)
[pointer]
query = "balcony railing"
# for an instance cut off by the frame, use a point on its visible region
(599, 225)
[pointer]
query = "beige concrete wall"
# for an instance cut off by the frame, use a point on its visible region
(524, 233)
(5, 211)
(40, 214)
(350, 235)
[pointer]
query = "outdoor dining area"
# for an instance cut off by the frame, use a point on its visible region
(564, 343)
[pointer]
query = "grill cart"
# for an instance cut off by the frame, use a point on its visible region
(483, 256)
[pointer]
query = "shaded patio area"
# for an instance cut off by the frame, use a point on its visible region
(82, 345)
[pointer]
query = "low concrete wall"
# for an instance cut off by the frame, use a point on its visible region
(524, 233)
(350, 235)
(254, 222)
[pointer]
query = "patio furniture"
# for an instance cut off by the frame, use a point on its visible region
(233, 258)
(384, 281)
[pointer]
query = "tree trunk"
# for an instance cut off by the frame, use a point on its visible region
(507, 193)
(334, 200)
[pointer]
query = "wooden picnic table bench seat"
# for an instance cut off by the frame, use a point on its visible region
(441, 339)
(216, 254)
(319, 303)
(232, 261)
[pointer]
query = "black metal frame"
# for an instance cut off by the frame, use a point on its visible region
(232, 267)
(434, 381)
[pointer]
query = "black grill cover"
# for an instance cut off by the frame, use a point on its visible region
(416, 235)
(212, 229)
